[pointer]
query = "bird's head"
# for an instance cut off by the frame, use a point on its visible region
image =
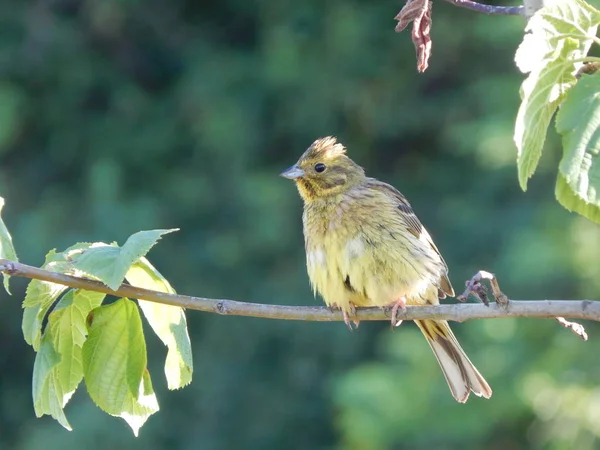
(324, 170)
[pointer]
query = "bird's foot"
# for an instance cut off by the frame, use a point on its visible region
(399, 305)
(347, 320)
(350, 311)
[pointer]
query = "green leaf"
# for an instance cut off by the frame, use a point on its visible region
(541, 92)
(110, 263)
(39, 298)
(7, 251)
(68, 330)
(67, 255)
(549, 25)
(58, 368)
(47, 393)
(32, 327)
(571, 201)
(558, 34)
(41, 295)
(168, 322)
(114, 363)
(578, 121)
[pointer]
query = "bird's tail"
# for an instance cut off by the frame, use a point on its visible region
(460, 373)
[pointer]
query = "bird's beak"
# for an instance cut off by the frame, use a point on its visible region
(292, 173)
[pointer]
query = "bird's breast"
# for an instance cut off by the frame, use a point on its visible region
(335, 254)
(364, 259)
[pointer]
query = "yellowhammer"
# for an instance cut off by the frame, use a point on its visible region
(366, 247)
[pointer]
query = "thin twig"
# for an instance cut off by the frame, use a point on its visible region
(479, 291)
(475, 288)
(577, 309)
(489, 9)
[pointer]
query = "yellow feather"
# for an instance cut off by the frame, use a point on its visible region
(366, 247)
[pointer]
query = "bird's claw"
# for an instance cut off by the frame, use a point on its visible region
(347, 320)
(399, 305)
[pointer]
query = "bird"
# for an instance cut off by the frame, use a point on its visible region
(365, 247)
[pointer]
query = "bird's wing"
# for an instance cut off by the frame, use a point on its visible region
(416, 228)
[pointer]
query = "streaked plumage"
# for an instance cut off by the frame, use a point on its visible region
(365, 247)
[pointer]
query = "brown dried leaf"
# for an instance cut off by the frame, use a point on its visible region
(419, 13)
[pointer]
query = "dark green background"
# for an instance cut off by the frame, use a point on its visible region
(123, 115)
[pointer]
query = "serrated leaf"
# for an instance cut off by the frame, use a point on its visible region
(559, 34)
(137, 410)
(541, 92)
(7, 250)
(110, 263)
(40, 292)
(32, 326)
(114, 363)
(47, 394)
(39, 298)
(97, 262)
(117, 340)
(168, 322)
(68, 330)
(578, 121)
(71, 252)
(550, 24)
(58, 262)
(41, 295)
(566, 197)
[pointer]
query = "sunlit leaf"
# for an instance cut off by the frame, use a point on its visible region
(575, 18)
(74, 250)
(558, 35)
(168, 322)
(7, 250)
(68, 330)
(541, 93)
(46, 390)
(573, 202)
(110, 263)
(39, 298)
(578, 121)
(114, 363)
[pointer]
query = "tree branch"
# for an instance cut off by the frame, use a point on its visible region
(489, 9)
(577, 309)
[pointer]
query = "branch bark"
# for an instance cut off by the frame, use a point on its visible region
(576, 309)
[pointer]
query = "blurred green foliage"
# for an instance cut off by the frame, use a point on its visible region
(122, 115)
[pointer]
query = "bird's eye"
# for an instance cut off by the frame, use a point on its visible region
(320, 167)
